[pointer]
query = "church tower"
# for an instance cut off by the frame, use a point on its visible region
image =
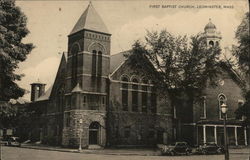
(213, 37)
(88, 65)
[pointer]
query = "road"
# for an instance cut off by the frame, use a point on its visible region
(15, 153)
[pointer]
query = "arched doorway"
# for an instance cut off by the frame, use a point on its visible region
(94, 133)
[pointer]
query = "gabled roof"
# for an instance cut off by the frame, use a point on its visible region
(232, 73)
(48, 92)
(45, 96)
(90, 20)
(117, 59)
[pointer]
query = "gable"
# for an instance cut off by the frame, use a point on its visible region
(117, 60)
(58, 80)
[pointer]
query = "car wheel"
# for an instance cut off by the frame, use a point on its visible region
(188, 153)
(172, 153)
(204, 152)
(219, 151)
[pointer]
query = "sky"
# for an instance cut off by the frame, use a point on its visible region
(50, 22)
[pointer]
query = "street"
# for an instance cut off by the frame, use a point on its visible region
(16, 153)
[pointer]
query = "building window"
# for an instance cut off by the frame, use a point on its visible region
(222, 100)
(153, 100)
(94, 57)
(67, 118)
(241, 103)
(144, 95)
(203, 112)
(125, 93)
(74, 52)
(103, 100)
(84, 100)
(68, 102)
(127, 132)
(93, 102)
(99, 64)
(135, 95)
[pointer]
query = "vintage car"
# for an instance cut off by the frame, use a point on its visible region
(209, 148)
(177, 148)
(13, 141)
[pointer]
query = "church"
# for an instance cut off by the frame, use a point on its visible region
(98, 100)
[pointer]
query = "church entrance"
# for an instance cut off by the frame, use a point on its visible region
(94, 133)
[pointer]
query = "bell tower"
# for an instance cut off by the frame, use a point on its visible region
(88, 65)
(212, 36)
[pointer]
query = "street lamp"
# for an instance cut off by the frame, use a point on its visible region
(224, 111)
(80, 135)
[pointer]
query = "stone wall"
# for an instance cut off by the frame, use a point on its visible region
(73, 130)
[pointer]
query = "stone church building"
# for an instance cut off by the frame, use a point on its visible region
(97, 99)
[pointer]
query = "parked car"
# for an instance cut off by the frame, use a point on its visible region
(13, 141)
(209, 148)
(177, 148)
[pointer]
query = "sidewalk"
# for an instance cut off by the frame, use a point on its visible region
(245, 150)
(106, 151)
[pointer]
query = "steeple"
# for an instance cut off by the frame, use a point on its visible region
(213, 37)
(90, 20)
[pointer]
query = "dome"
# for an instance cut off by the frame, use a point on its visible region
(210, 25)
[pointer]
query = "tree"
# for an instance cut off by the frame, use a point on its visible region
(177, 63)
(244, 110)
(12, 50)
(242, 50)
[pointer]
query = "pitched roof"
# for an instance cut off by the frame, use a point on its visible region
(90, 20)
(46, 95)
(77, 88)
(116, 60)
(48, 92)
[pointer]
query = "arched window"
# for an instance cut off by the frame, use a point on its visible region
(135, 95)
(222, 99)
(60, 99)
(97, 50)
(74, 53)
(124, 93)
(144, 95)
(211, 43)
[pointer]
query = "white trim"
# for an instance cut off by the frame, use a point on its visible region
(124, 75)
(218, 125)
(86, 52)
(245, 135)
(138, 90)
(93, 43)
(204, 134)
(215, 134)
(118, 81)
(88, 110)
(86, 92)
(84, 74)
(236, 136)
(174, 114)
(135, 77)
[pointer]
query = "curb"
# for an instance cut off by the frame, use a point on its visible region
(90, 152)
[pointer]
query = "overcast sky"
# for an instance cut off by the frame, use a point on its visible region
(50, 22)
